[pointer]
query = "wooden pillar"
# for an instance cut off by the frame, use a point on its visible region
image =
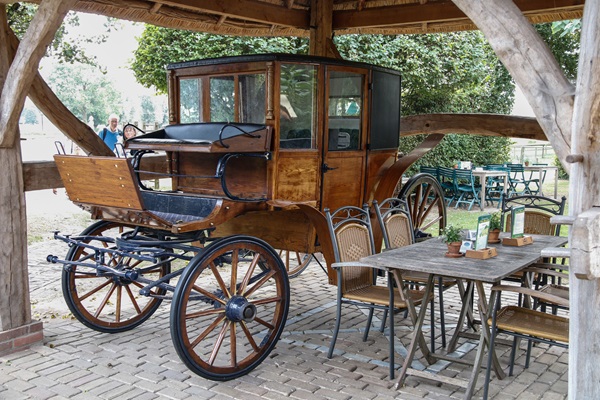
(321, 29)
(16, 328)
(584, 190)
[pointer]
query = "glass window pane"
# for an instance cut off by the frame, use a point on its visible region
(222, 99)
(345, 105)
(190, 109)
(252, 98)
(298, 98)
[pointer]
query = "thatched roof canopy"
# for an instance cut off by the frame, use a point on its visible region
(292, 17)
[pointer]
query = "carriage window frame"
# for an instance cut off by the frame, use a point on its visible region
(298, 114)
(345, 110)
(190, 100)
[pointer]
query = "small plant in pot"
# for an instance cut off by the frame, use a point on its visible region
(495, 228)
(452, 236)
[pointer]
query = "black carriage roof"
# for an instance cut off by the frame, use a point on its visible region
(278, 57)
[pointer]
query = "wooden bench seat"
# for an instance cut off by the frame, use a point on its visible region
(210, 137)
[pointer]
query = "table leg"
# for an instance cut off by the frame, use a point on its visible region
(483, 183)
(465, 311)
(417, 338)
(556, 183)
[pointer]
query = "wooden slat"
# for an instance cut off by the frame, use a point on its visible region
(104, 181)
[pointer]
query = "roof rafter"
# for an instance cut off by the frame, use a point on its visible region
(438, 11)
(249, 10)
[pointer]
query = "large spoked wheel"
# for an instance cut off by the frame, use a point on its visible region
(103, 301)
(425, 198)
(295, 262)
(230, 307)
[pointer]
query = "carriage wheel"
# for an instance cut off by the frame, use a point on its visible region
(104, 302)
(230, 307)
(295, 262)
(426, 204)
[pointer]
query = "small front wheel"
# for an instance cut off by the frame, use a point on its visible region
(230, 307)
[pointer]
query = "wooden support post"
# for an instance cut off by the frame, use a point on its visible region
(16, 328)
(321, 29)
(584, 190)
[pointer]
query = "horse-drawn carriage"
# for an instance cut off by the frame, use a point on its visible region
(302, 134)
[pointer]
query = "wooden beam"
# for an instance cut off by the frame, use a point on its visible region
(320, 28)
(584, 191)
(531, 64)
(474, 124)
(22, 71)
(59, 115)
(406, 14)
(15, 307)
(249, 10)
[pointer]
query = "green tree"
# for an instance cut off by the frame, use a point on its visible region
(85, 92)
(148, 111)
(69, 51)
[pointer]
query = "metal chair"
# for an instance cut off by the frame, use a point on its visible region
(352, 238)
(466, 189)
(494, 187)
(535, 184)
(516, 178)
(538, 211)
(447, 179)
(524, 323)
(397, 228)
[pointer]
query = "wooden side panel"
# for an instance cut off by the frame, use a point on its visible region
(377, 163)
(297, 176)
(343, 182)
(103, 181)
(245, 177)
(285, 229)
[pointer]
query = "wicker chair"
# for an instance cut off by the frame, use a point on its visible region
(538, 211)
(525, 323)
(396, 225)
(352, 238)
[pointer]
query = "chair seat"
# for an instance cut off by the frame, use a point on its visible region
(421, 277)
(535, 323)
(381, 295)
(556, 290)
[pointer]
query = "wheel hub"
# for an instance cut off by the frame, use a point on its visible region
(239, 309)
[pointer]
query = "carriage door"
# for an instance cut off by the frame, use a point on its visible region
(344, 149)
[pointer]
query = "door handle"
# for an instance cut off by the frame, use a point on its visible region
(325, 168)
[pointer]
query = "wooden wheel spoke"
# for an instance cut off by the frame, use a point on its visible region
(235, 259)
(133, 300)
(212, 296)
(233, 345)
(95, 290)
(208, 330)
(203, 313)
(219, 279)
(119, 303)
(264, 323)
(249, 337)
(259, 284)
(267, 300)
(249, 273)
(105, 300)
(218, 343)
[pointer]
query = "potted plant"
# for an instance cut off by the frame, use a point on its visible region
(452, 236)
(495, 227)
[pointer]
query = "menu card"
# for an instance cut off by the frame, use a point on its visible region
(517, 222)
(483, 228)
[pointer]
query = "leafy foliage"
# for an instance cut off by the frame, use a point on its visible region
(148, 110)
(20, 16)
(85, 92)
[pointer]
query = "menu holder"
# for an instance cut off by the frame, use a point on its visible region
(517, 228)
(482, 254)
(481, 251)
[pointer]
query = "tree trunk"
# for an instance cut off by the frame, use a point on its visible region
(584, 189)
(531, 64)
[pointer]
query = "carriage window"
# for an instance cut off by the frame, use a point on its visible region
(222, 99)
(298, 101)
(190, 109)
(345, 106)
(251, 89)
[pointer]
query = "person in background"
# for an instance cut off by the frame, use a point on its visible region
(129, 132)
(111, 133)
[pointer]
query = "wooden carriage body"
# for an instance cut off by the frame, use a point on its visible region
(250, 139)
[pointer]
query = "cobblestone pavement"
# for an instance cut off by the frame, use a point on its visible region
(75, 362)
